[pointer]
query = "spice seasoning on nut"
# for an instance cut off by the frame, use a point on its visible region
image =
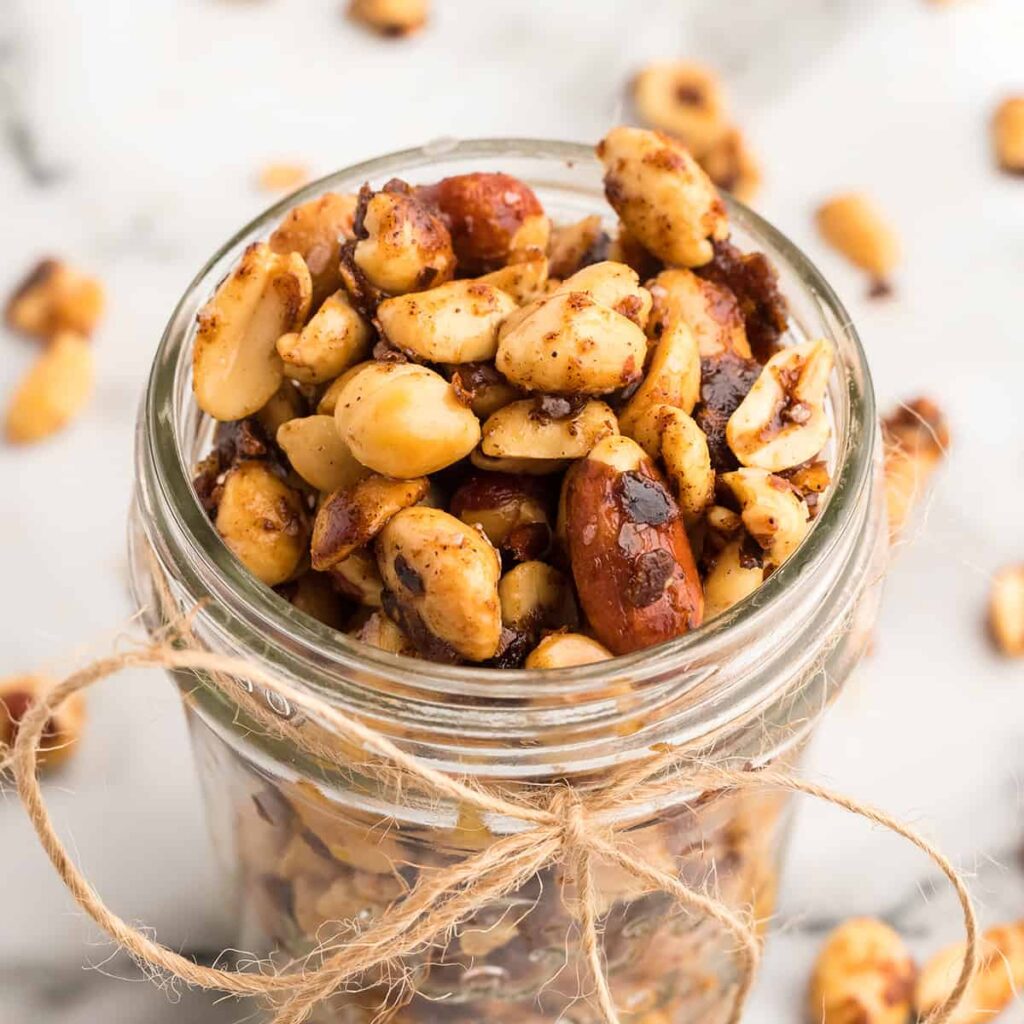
(456, 431)
(852, 224)
(864, 973)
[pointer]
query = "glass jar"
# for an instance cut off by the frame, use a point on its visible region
(310, 853)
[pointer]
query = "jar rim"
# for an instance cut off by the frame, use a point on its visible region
(316, 653)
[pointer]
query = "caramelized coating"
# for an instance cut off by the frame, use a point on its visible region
(725, 382)
(510, 510)
(630, 556)
(491, 218)
(755, 284)
(352, 516)
(710, 310)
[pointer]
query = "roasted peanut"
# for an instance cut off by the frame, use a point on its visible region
(672, 378)
(456, 322)
(863, 974)
(916, 437)
(524, 280)
(662, 195)
(54, 298)
(313, 594)
(570, 245)
(1006, 610)
(404, 420)
(390, 17)
(263, 521)
(315, 230)
(286, 403)
(353, 515)
(53, 392)
(492, 217)
(335, 338)
(732, 577)
(710, 310)
(614, 285)
(482, 388)
(570, 343)
(782, 421)
(525, 467)
(1008, 134)
(379, 631)
(683, 99)
(235, 365)
(405, 248)
(282, 176)
(630, 556)
(329, 399)
(547, 428)
(566, 650)
(732, 166)
(851, 224)
(773, 513)
(509, 509)
(999, 976)
(536, 596)
(63, 729)
(669, 434)
(358, 577)
(441, 584)
(318, 454)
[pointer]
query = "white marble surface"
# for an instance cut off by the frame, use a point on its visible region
(131, 136)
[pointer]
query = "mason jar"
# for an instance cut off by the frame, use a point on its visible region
(312, 850)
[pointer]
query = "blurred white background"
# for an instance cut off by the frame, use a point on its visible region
(132, 136)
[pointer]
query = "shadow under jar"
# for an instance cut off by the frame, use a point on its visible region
(310, 854)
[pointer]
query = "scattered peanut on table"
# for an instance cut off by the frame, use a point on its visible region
(456, 431)
(62, 731)
(390, 17)
(853, 225)
(1006, 610)
(864, 975)
(1008, 134)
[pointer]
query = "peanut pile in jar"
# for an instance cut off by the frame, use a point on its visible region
(458, 431)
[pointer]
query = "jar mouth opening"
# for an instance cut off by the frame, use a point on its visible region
(267, 622)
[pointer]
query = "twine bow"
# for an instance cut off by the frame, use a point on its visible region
(560, 825)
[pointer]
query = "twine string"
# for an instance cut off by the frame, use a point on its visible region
(562, 825)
